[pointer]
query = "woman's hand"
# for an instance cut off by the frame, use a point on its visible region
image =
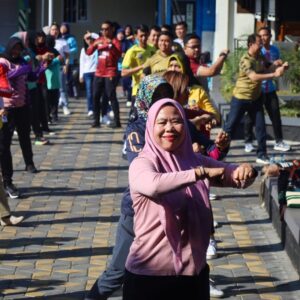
(244, 175)
(222, 140)
(3, 112)
(201, 120)
(209, 173)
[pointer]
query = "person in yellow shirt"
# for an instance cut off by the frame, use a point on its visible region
(153, 37)
(198, 99)
(135, 57)
(158, 63)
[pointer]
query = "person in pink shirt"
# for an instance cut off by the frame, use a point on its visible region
(172, 221)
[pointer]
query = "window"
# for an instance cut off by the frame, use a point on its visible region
(75, 10)
(82, 10)
(246, 6)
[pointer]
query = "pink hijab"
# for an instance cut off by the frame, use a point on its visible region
(195, 218)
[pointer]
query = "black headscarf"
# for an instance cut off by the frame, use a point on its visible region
(12, 42)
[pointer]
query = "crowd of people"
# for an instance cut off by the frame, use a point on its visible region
(161, 246)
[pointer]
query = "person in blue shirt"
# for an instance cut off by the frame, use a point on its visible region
(72, 43)
(270, 98)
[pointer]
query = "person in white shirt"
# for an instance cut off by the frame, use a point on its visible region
(62, 47)
(87, 68)
(180, 31)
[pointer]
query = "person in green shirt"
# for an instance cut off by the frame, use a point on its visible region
(135, 57)
(253, 69)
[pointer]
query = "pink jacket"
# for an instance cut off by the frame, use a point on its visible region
(151, 252)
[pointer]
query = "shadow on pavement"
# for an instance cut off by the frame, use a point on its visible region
(249, 249)
(82, 252)
(109, 219)
(100, 168)
(44, 241)
(64, 191)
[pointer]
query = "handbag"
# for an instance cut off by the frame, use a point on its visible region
(5, 88)
(293, 199)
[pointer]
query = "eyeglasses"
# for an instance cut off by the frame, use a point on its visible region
(194, 46)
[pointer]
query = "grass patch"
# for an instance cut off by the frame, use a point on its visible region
(290, 108)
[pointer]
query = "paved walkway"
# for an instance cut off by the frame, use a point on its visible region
(72, 207)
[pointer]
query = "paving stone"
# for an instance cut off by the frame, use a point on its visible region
(73, 206)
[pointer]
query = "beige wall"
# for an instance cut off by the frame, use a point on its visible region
(124, 12)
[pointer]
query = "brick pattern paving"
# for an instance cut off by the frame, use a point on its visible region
(72, 207)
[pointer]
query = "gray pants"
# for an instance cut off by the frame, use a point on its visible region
(113, 277)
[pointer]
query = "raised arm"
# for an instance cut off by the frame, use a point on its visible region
(214, 69)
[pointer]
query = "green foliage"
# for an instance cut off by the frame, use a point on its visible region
(290, 108)
(230, 72)
(292, 75)
(231, 69)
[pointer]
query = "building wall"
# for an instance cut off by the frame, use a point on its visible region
(222, 26)
(230, 25)
(8, 23)
(124, 12)
(244, 24)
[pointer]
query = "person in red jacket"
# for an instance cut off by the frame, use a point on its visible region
(105, 80)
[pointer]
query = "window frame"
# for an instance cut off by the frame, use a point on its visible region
(74, 7)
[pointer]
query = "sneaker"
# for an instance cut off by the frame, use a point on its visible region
(49, 132)
(211, 252)
(41, 141)
(11, 191)
(111, 114)
(31, 169)
(90, 113)
(249, 147)
(264, 160)
(216, 224)
(105, 120)
(128, 104)
(282, 146)
(214, 292)
(212, 197)
(11, 220)
(66, 111)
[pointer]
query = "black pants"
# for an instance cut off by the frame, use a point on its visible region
(271, 104)
(19, 119)
(39, 110)
(137, 287)
(52, 97)
(105, 85)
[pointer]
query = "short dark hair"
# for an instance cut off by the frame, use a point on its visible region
(252, 39)
(191, 36)
(265, 28)
(182, 23)
(167, 27)
(108, 22)
(155, 28)
(167, 33)
(142, 27)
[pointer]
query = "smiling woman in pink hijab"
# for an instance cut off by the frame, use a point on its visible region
(169, 188)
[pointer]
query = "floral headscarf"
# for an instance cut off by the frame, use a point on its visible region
(145, 92)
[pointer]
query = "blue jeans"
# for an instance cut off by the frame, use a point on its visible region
(271, 104)
(63, 97)
(113, 277)
(254, 108)
(88, 80)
